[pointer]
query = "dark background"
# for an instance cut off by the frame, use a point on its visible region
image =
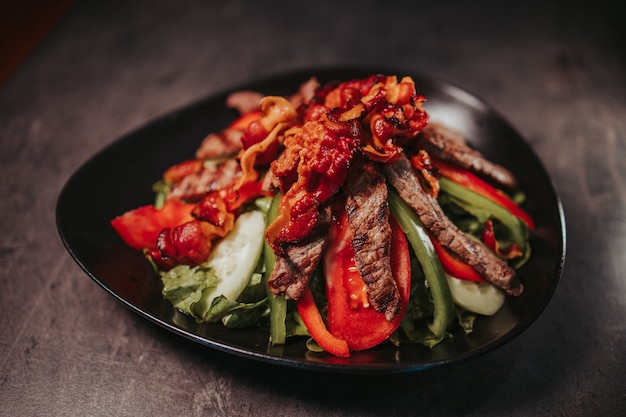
(554, 69)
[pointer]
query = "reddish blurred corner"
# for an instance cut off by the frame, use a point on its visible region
(23, 24)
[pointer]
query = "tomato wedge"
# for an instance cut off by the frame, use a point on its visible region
(140, 227)
(350, 318)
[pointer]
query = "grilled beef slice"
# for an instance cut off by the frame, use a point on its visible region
(292, 272)
(449, 145)
(210, 178)
(368, 216)
(405, 180)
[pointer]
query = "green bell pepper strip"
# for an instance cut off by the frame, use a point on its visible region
(278, 304)
(444, 308)
(481, 207)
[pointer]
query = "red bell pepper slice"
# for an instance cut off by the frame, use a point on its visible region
(140, 228)
(349, 316)
(313, 321)
(454, 266)
(474, 183)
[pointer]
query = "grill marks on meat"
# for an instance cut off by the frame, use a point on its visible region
(405, 180)
(292, 272)
(220, 145)
(211, 177)
(449, 145)
(368, 216)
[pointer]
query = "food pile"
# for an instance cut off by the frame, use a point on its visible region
(339, 213)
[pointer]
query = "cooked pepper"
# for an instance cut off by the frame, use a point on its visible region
(278, 303)
(483, 209)
(474, 183)
(454, 266)
(417, 236)
(312, 318)
(350, 316)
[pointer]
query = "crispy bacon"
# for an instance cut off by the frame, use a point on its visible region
(277, 115)
(390, 110)
(190, 243)
(309, 172)
(369, 115)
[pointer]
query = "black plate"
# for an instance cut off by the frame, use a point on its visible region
(120, 177)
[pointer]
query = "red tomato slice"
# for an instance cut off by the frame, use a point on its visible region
(361, 327)
(140, 227)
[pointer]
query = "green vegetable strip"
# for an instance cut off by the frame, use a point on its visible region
(278, 304)
(477, 204)
(417, 236)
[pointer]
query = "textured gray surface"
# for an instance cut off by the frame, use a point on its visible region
(555, 70)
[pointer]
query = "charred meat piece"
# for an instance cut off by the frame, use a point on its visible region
(292, 272)
(368, 216)
(405, 180)
(210, 177)
(449, 145)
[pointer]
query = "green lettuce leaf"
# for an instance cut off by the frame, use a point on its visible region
(185, 286)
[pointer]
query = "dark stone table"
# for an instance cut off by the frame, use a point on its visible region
(555, 69)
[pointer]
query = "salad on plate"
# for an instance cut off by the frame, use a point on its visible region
(341, 214)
